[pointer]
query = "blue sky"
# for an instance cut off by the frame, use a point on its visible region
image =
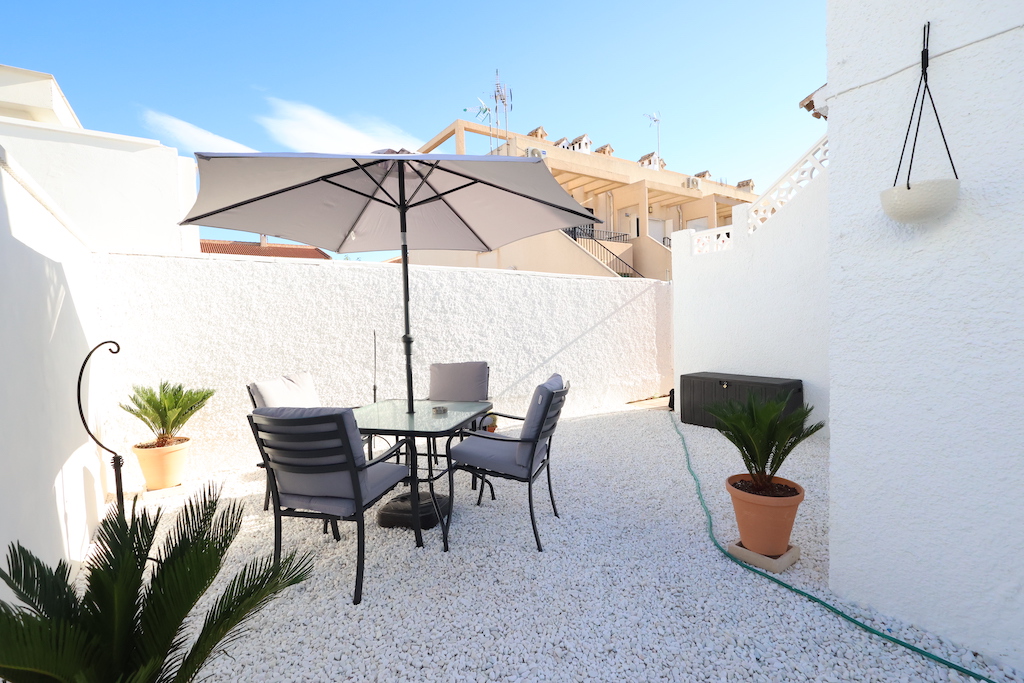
(725, 77)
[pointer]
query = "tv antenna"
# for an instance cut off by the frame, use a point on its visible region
(502, 99)
(656, 121)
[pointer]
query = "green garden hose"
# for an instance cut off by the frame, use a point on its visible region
(831, 608)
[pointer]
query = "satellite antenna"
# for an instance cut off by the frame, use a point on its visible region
(483, 112)
(503, 99)
(656, 121)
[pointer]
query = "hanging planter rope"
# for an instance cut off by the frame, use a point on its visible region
(929, 199)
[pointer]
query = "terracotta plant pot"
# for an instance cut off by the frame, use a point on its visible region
(765, 522)
(162, 467)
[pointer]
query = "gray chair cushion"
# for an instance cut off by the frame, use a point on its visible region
(458, 381)
(294, 390)
(535, 416)
(379, 478)
(496, 455)
(333, 484)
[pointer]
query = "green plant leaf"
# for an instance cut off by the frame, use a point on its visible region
(761, 433)
(47, 592)
(249, 592)
(166, 410)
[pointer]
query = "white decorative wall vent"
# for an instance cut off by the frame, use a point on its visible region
(708, 241)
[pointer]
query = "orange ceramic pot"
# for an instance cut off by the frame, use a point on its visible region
(162, 467)
(765, 522)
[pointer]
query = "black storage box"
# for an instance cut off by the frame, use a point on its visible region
(701, 388)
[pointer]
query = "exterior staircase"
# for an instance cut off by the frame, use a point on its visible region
(590, 239)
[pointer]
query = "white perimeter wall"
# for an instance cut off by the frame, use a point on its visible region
(222, 322)
(927, 350)
(760, 308)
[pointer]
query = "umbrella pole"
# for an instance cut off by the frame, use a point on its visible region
(407, 337)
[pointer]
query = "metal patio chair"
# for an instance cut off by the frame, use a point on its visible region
(459, 382)
(316, 469)
(519, 459)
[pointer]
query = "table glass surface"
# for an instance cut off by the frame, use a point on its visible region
(390, 417)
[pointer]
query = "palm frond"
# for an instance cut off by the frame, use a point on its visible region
(762, 434)
(113, 593)
(189, 560)
(37, 649)
(166, 410)
(47, 592)
(247, 593)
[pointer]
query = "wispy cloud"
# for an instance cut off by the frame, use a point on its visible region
(304, 128)
(188, 137)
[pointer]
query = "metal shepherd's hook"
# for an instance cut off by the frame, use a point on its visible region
(116, 461)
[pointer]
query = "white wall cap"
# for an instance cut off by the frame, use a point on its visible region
(35, 96)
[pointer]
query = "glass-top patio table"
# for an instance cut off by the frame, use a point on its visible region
(389, 418)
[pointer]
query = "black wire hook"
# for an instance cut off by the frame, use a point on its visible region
(116, 461)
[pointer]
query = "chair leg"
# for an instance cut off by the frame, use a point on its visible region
(325, 527)
(484, 480)
(533, 518)
(277, 537)
(266, 496)
(334, 527)
(360, 552)
(551, 491)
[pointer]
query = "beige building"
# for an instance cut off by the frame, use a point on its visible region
(641, 204)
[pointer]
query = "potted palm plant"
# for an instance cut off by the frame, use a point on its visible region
(129, 619)
(765, 435)
(165, 411)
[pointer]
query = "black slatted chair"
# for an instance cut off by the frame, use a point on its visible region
(316, 469)
(522, 459)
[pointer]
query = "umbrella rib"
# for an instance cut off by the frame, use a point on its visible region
(423, 182)
(441, 194)
(452, 209)
(361, 194)
(253, 200)
(380, 186)
(588, 216)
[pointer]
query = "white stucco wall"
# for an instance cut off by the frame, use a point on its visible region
(50, 491)
(125, 194)
(760, 308)
(927, 344)
(222, 322)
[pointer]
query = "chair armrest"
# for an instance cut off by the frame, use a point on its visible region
(484, 435)
(511, 417)
(384, 456)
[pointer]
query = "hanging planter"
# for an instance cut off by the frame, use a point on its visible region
(925, 200)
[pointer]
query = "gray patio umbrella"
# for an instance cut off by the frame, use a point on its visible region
(348, 203)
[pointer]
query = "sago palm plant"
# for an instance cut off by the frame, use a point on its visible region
(166, 410)
(762, 434)
(128, 624)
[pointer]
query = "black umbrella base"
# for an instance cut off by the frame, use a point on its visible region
(398, 511)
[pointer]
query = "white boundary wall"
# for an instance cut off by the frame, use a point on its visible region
(761, 306)
(927, 351)
(222, 322)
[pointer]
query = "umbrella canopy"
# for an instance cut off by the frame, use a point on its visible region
(348, 203)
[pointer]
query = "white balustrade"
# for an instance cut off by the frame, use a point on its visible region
(708, 241)
(792, 181)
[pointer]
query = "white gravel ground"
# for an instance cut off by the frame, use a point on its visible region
(628, 588)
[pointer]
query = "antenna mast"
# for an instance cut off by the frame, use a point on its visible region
(656, 121)
(503, 98)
